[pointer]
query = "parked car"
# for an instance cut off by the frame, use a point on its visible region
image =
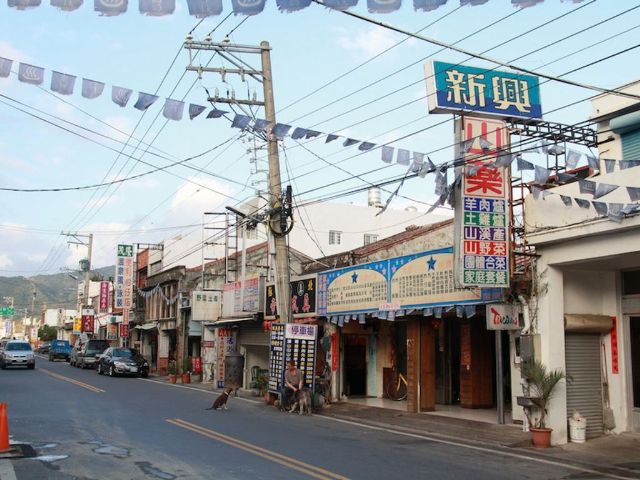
(3, 342)
(122, 361)
(59, 349)
(17, 353)
(44, 347)
(89, 352)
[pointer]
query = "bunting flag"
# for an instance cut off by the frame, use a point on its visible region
(340, 4)
(195, 110)
(469, 311)
(609, 165)
(331, 137)
(440, 183)
(30, 74)
(523, 164)
(173, 109)
(299, 133)
(466, 145)
(427, 5)
(120, 96)
(110, 8)
(393, 195)
(418, 162)
(535, 191)
(542, 174)
(292, 5)
(5, 67)
(350, 141)
(555, 149)
(624, 164)
(312, 134)
(241, 121)
(157, 8)
(280, 130)
(145, 100)
(215, 113)
(572, 159)
(615, 212)
(204, 8)
(566, 200)
(601, 208)
(404, 157)
(604, 189)
(593, 162)
(247, 7)
(91, 89)
(387, 154)
(504, 159)
(67, 5)
(260, 125)
(582, 203)
(634, 193)
(364, 146)
(62, 83)
(383, 6)
(587, 187)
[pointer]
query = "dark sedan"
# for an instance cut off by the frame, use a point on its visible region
(122, 361)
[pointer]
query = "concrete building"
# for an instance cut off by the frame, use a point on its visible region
(585, 306)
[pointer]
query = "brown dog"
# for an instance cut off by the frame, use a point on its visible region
(221, 401)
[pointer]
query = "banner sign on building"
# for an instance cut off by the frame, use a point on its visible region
(77, 326)
(205, 306)
(482, 219)
(7, 328)
(420, 280)
(226, 345)
(104, 297)
(87, 320)
(112, 331)
(234, 303)
(454, 88)
(123, 285)
(303, 298)
(124, 330)
(503, 316)
(291, 341)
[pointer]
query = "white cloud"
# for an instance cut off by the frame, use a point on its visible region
(121, 123)
(5, 261)
(368, 42)
(191, 200)
(37, 257)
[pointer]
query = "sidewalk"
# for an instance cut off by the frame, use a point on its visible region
(613, 454)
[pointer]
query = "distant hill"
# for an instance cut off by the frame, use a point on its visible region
(53, 291)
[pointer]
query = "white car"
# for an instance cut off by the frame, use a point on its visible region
(17, 353)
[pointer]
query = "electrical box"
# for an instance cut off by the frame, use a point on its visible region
(529, 348)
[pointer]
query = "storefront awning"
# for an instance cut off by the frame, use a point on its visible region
(585, 323)
(228, 321)
(147, 326)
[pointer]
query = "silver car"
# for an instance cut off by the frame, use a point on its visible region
(17, 353)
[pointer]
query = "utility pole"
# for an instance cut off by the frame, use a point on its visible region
(277, 215)
(34, 321)
(85, 265)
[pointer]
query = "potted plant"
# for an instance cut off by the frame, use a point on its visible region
(186, 370)
(171, 370)
(542, 383)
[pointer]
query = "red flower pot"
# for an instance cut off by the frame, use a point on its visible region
(541, 437)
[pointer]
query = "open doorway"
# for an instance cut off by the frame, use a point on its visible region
(355, 365)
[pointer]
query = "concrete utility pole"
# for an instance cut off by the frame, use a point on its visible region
(227, 50)
(85, 266)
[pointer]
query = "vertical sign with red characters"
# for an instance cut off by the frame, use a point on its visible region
(614, 347)
(104, 297)
(87, 320)
(124, 330)
(124, 278)
(482, 217)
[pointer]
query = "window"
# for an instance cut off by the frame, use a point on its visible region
(334, 237)
(370, 238)
(631, 282)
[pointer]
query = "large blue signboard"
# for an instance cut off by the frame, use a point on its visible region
(453, 88)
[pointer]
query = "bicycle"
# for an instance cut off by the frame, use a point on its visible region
(397, 388)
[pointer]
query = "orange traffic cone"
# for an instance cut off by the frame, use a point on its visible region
(4, 429)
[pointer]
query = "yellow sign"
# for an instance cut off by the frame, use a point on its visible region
(77, 325)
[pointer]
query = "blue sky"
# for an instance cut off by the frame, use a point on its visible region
(310, 48)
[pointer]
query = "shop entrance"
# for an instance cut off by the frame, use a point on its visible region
(355, 365)
(634, 324)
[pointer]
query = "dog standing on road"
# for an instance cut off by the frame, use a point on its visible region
(302, 402)
(221, 401)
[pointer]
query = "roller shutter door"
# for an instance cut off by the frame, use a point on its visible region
(631, 145)
(252, 333)
(584, 392)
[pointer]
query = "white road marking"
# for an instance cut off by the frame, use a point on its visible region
(209, 392)
(6, 470)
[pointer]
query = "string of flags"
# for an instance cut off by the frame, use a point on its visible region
(209, 8)
(462, 311)
(157, 290)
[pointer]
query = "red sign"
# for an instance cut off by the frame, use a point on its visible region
(125, 317)
(196, 364)
(104, 296)
(87, 324)
(614, 346)
(124, 330)
(334, 352)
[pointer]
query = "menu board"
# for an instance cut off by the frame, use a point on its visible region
(295, 342)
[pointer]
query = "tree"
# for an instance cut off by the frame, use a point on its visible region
(47, 333)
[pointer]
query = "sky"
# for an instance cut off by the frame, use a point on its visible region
(381, 101)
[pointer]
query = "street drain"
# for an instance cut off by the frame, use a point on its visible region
(148, 469)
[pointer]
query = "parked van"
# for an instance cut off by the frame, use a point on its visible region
(87, 353)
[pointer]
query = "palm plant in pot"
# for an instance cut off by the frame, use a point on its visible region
(186, 370)
(171, 370)
(542, 383)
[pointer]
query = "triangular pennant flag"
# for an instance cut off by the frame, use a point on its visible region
(280, 130)
(587, 187)
(541, 175)
(504, 159)
(312, 134)
(609, 165)
(387, 154)
(215, 113)
(615, 208)
(5, 67)
(431, 165)
(469, 311)
(440, 183)
(120, 95)
(582, 203)
(451, 197)
(535, 191)
(544, 146)
(485, 144)
(566, 200)
(435, 205)
(555, 149)
(204, 8)
(260, 125)
(30, 74)
(331, 137)
(630, 208)
(404, 157)
(145, 100)
(624, 164)
(573, 157)
(472, 169)
(91, 89)
(634, 193)
(418, 162)
(350, 141)
(466, 145)
(173, 109)
(364, 146)
(110, 8)
(298, 133)
(437, 312)
(157, 8)
(523, 164)
(604, 189)
(394, 194)
(459, 311)
(241, 121)
(195, 110)
(600, 207)
(565, 177)
(546, 193)
(62, 83)
(593, 162)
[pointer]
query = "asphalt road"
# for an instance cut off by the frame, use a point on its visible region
(87, 426)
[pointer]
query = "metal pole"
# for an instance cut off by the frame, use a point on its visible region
(87, 273)
(275, 191)
(499, 377)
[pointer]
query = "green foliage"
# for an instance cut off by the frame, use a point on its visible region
(262, 381)
(171, 368)
(186, 365)
(542, 383)
(47, 333)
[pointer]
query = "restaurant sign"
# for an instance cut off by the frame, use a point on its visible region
(454, 88)
(503, 316)
(123, 285)
(303, 298)
(236, 302)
